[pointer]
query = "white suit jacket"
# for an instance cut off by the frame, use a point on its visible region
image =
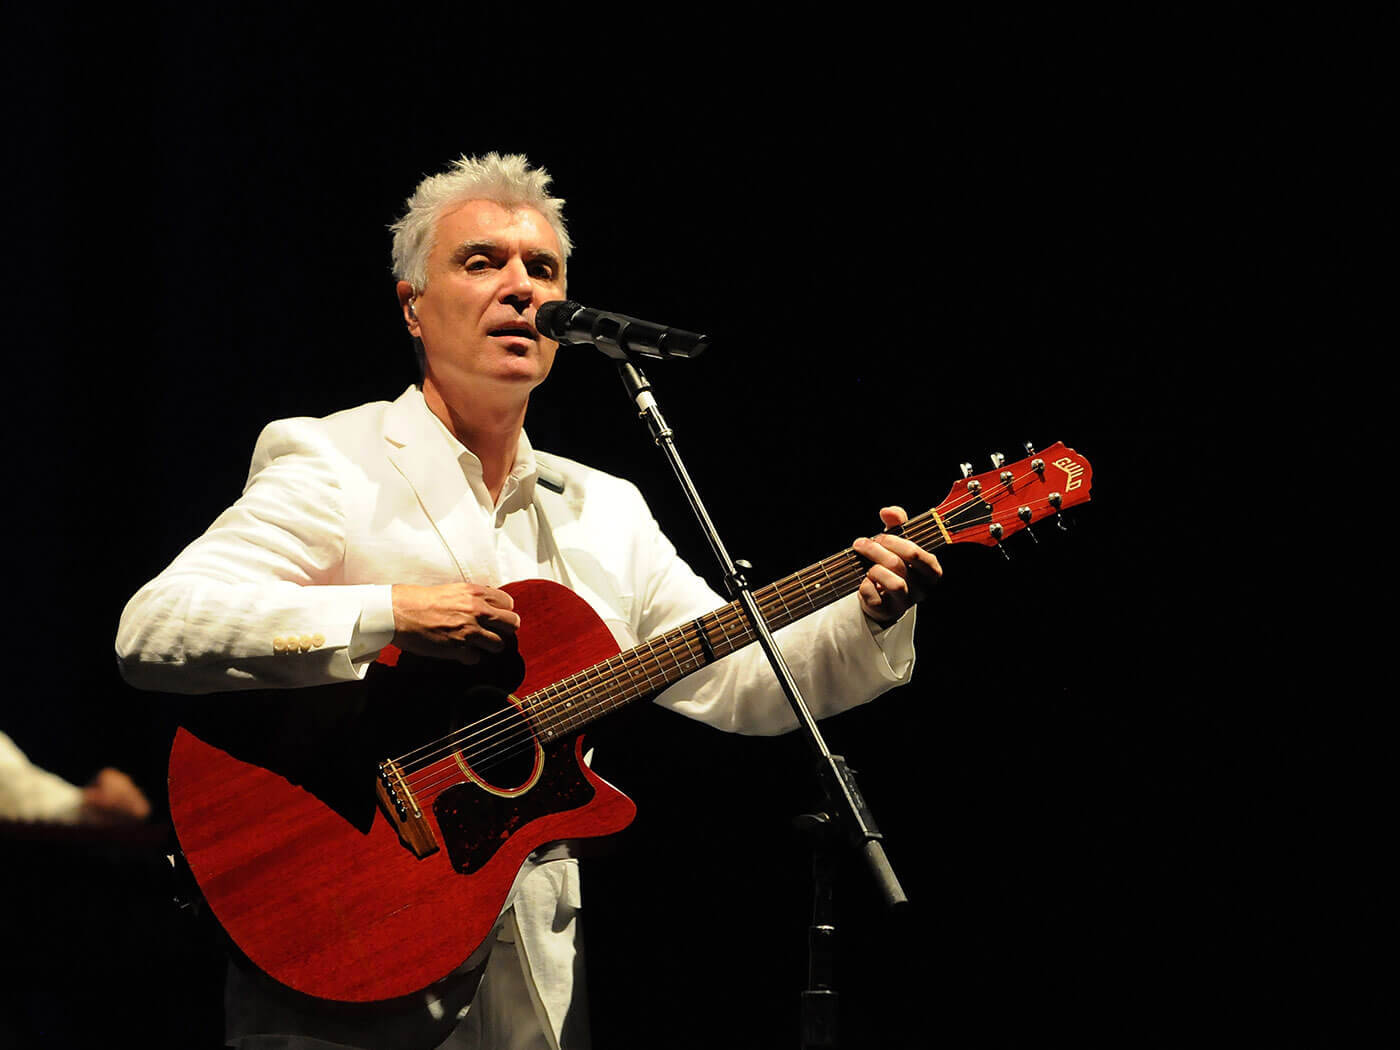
(337, 510)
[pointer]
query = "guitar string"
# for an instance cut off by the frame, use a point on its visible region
(723, 618)
(638, 681)
(848, 578)
(524, 739)
(486, 748)
(650, 669)
(731, 614)
(428, 785)
(634, 662)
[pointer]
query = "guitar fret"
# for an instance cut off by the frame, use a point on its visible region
(724, 628)
(537, 714)
(697, 661)
(793, 585)
(676, 662)
(787, 613)
(651, 651)
(639, 689)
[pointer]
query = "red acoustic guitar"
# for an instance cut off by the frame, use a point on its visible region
(328, 844)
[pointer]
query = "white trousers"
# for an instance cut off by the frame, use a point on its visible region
(507, 1013)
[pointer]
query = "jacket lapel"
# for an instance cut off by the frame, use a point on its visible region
(420, 455)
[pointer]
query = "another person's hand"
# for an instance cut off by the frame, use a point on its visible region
(113, 796)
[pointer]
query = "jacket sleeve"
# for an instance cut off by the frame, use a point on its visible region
(256, 601)
(837, 656)
(30, 793)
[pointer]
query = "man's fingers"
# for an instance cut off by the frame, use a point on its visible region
(892, 516)
(877, 552)
(906, 553)
(458, 621)
(500, 599)
(887, 580)
(499, 619)
(482, 638)
(900, 574)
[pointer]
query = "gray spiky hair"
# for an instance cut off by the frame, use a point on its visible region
(508, 180)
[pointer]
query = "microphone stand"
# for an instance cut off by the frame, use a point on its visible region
(848, 820)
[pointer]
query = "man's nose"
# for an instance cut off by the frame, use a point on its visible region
(516, 285)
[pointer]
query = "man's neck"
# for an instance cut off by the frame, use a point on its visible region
(491, 431)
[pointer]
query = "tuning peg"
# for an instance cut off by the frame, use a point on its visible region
(974, 486)
(997, 460)
(1055, 500)
(1037, 464)
(1024, 513)
(997, 532)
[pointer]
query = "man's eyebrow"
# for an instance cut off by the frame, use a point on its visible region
(487, 246)
(483, 246)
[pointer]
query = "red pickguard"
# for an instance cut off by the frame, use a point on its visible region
(339, 914)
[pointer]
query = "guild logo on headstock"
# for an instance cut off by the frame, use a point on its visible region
(1074, 470)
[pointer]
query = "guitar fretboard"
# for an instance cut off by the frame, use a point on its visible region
(645, 671)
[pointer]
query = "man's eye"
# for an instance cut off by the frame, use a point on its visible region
(477, 262)
(543, 271)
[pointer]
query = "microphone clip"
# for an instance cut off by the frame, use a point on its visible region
(616, 335)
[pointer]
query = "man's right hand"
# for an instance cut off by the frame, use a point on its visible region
(454, 621)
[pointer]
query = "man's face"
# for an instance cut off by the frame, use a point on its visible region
(489, 271)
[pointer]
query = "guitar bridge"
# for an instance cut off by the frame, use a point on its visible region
(401, 810)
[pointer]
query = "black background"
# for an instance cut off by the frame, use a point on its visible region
(914, 243)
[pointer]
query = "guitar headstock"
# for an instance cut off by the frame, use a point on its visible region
(987, 508)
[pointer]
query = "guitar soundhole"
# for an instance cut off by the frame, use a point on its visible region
(494, 745)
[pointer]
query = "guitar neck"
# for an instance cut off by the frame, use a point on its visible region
(645, 671)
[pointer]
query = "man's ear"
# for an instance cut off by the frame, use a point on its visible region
(406, 304)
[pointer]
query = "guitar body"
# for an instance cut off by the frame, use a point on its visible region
(312, 881)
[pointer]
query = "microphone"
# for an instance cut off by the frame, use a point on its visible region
(616, 335)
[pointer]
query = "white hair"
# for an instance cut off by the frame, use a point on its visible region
(508, 180)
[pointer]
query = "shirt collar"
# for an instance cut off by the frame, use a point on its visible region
(519, 489)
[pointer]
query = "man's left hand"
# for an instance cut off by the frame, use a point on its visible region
(902, 573)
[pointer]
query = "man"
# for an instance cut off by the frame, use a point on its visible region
(398, 522)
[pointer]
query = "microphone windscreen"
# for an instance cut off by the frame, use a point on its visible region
(552, 319)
